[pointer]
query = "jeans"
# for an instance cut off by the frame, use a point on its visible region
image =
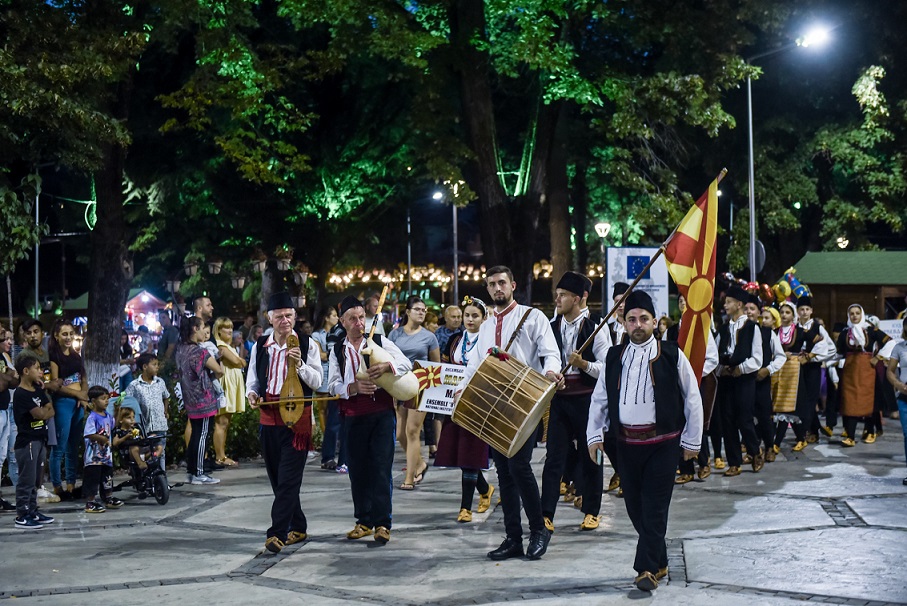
(902, 408)
(11, 462)
(68, 421)
(331, 432)
(6, 446)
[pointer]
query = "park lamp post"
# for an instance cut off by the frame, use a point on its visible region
(439, 195)
(603, 229)
(814, 37)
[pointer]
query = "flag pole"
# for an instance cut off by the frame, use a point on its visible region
(658, 253)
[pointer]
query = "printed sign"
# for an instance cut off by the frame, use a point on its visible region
(625, 264)
(437, 384)
(892, 328)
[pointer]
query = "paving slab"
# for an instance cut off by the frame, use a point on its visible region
(890, 511)
(857, 563)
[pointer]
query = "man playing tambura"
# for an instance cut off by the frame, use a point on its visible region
(569, 414)
(535, 346)
(370, 418)
(284, 451)
(648, 392)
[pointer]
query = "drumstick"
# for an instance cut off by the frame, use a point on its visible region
(371, 333)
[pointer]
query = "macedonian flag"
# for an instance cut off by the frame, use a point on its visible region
(690, 254)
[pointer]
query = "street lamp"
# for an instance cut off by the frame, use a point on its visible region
(602, 229)
(813, 37)
(438, 195)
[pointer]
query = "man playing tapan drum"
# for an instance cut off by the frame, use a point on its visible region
(535, 346)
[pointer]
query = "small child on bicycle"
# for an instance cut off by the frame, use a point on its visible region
(98, 471)
(127, 430)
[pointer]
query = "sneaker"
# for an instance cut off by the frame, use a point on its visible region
(46, 496)
(203, 479)
(28, 523)
(342, 469)
(113, 503)
(41, 518)
(93, 507)
(6, 506)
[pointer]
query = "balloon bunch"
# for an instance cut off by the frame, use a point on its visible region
(763, 291)
(790, 285)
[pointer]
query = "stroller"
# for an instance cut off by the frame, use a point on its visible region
(149, 481)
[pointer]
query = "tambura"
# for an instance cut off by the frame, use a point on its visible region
(503, 403)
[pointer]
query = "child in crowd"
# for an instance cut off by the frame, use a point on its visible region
(98, 472)
(126, 430)
(151, 393)
(32, 409)
(212, 349)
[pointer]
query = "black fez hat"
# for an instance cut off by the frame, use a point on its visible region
(587, 283)
(349, 303)
(574, 282)
(619, 289)
(280, 300)
(754, 300)
(805, 300)
(735, 292)
(639, 299)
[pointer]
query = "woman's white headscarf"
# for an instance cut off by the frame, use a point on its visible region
(857, 331)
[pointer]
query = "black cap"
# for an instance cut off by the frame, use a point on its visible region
(573, 282)
(619, 289)
(349, 303)
(639, 299)
(754, 300)
(280, 300)
(587, 283)
(735, 292)
(805, 300)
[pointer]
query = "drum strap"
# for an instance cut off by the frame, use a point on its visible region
(518, 327)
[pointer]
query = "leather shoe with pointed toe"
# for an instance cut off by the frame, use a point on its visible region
(510, 548)
(538, 544)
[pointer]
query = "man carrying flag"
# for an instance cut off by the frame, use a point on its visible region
(690, 254)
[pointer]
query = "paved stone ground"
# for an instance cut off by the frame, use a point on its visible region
(828, 525)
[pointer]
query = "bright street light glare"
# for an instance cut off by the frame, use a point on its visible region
(602, 229)
(437, 195)
(718, 193)
(814, 37)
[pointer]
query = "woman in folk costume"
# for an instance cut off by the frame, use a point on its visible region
(786, 381)
(457, 446)
(859, 344)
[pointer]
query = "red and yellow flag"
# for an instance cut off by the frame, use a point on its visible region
(690, 254)
(428, 377)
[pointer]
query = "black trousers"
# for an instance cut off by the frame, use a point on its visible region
(831, 403)
(95, 478)
(371, 461)
(567, 422)
(518, 485)
(716, 427)
(737, 396)
(807, 398)
(765, 429)
(647, 477)
(688, 467)
(198, 444)
(284, 465)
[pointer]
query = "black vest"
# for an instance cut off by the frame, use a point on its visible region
(743, 348)
(264, 357)
(811, 337)
(766, 346)
(586, 328)
(340, 353)
(669, 397)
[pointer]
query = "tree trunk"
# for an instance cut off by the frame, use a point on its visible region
(559, 204)
(467, 22)
(110, 276)
(268, 282)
